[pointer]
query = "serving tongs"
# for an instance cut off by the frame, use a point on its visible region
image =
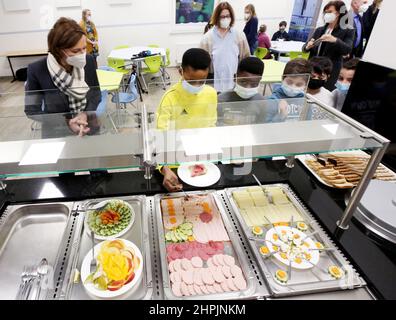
(269, 197)
(324, 160)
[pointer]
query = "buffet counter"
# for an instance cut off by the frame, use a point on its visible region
(325, 205)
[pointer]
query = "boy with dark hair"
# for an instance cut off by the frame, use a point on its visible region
(322, 68)
(344, 82)
(188, 104)
(281, 35)
(249, 75)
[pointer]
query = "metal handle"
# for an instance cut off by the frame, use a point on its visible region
(357, 195)
(148, 161)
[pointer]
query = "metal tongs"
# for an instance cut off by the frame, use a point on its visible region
(324, 160)
(269, 197)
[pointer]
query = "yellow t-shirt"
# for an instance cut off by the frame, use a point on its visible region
(180, 109)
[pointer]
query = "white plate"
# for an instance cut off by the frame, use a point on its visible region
(110, 294)
(118, 235)
(209, 179)
(302, 266)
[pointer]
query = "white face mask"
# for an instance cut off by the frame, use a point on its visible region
(245, 93)
(292, 91)
(247, 16)
(78, 61)
(363, 8)
(329, 17)
(190, 88)
(89, 18)
(225, 23)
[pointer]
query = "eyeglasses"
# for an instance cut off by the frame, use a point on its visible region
(225, 17)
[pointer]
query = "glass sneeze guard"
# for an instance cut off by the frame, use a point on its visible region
(36, 137)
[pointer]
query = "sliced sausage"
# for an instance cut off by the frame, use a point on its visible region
(218, 275)
(192, 290)
(198, 290)
(184, 289)
(197, 262)
(198, 277)
(176, 289)
(188, 277)
(218, 288)
(240, 283)
(211, 289)
(207, 277)
(175, 277)
(186, 264)
(177, 265)
(230, 284)
(226, 271)
(236, 271)
(228, 260)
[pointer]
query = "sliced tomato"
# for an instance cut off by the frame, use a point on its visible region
(116, 285)
(130, 277)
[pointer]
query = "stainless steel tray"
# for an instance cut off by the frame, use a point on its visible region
(250, 293)
(29, 233)
(306, 281)
(138, 234)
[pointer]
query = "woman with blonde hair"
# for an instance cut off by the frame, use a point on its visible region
(91, 33)
(251, 27)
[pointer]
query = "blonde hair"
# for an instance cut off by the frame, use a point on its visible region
(84, 13)
(252, 9)
(377, 4)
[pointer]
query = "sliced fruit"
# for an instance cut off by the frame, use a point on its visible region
(115, 285)
(130, 278)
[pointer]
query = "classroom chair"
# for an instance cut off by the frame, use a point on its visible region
(129, 96)
(295, 55)
(166, 64)
(154, 66)
(261, 53)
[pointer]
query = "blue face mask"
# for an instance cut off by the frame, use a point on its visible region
(190, 88)
(343, 87)
(292, 92)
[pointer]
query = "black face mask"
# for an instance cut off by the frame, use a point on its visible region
(315, 84)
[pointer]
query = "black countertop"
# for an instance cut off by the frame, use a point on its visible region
(374, 259)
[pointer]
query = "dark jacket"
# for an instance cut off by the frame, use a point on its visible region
(281, 35)
(357, 52)
(334, 51)
(250, 31)
(43, 98)
(369, 19)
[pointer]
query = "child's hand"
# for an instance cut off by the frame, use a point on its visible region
(171, 181)
(283, 106)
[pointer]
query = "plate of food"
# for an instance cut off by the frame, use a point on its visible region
(199, 174)
(119, 269)
(292, 246)
(109, 219)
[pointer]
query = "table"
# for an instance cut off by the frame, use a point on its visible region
(273, 72)
(22, 54)
(129, 54)
(109, 80)
(284, 47)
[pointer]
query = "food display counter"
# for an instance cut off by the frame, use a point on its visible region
(234, 240)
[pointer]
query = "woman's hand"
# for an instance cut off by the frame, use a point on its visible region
(79, 125)
(171, 181)
(310, 44)
(328, 38)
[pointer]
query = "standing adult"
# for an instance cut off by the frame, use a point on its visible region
(358, 8)
(334, 40)
(251, 27)
(226, 46)
(65, 82)
(370, 17)
(91, 34)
